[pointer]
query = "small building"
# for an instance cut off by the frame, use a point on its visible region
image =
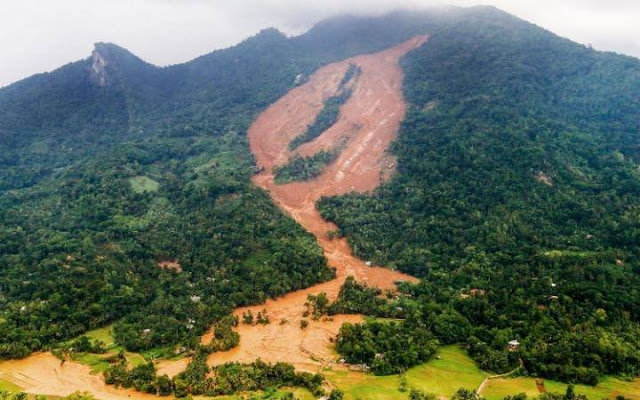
(514, 345)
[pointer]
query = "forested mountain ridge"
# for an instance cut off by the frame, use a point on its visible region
(517, 195)
(516, 198)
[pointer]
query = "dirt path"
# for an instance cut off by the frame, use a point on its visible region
(368, 122)
(540, 386)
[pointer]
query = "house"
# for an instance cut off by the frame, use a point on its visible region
(514, 345)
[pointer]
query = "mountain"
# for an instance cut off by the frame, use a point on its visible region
(518, 177)
(126, 199)
(84, 150)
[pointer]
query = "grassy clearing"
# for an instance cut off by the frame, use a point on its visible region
(497, 389)
(454, 369)
(358, 385)
(135, 359)
(104, 335)
(141, 184)
(441, 377)
(94, 361)
(9, 387)
(161, 353)
(302, 394)
(608, 388)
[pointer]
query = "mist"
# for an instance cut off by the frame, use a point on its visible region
(41, 35)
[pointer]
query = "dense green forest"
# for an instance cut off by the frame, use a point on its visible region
(93, 257)
(301, 168)
(517, 199)
(225, 379)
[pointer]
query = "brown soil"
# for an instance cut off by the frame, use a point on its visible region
(367, 124)
(173, 265)
(43, 373)
(540, 386)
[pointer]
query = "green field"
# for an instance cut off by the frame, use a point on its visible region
(497, 389)
(455, 369)
(141, 184)
(9, 387)
(441, 377)
(358, 385)
(95, 361)
(608, 388)
(104, 335)
(135, 359)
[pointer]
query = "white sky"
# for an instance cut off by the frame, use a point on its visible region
(41, 35)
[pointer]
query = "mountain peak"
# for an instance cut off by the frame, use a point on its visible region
(98, 63)
(110, 62)
(104, 54)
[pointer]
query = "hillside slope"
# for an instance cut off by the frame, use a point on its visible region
(112, 169)
(126, 194)
(518, 178)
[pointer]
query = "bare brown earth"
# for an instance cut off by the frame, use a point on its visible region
(172, 265)
(367, 124)
(43, 373)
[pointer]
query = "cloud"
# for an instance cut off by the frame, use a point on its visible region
(40, 35)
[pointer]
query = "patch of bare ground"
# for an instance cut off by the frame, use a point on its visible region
(172, 265)
(544, 178)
